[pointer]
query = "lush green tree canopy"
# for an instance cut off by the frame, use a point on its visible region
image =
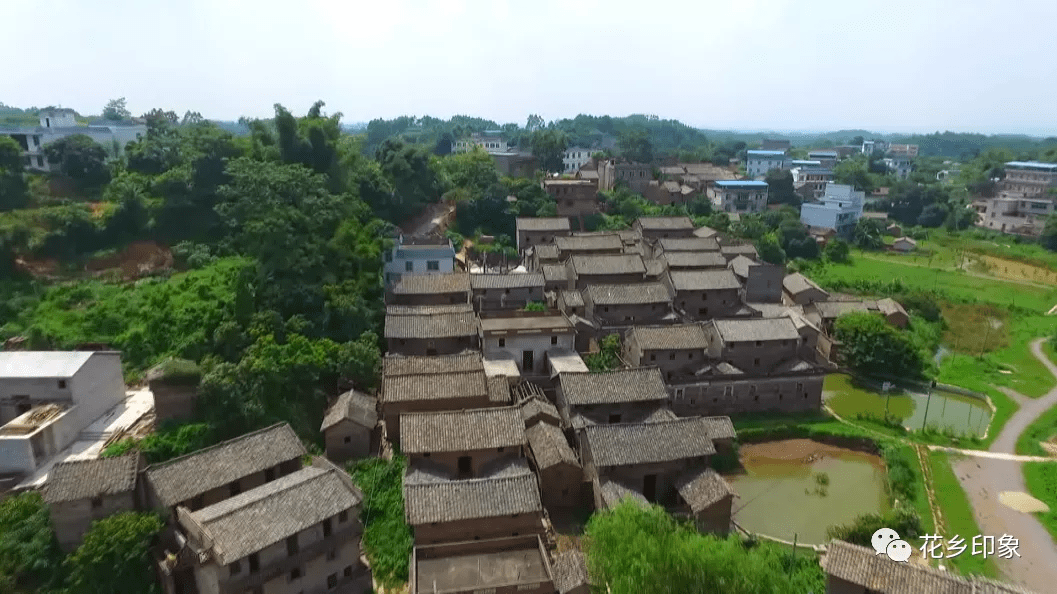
(548, 146)
(13, 187)
(115, 556)
(81, 160)
(872, 346)
(116, 110)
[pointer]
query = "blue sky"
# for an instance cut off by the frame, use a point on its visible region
(893, 66)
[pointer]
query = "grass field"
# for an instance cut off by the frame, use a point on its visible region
(1041, 478)
(957, 514)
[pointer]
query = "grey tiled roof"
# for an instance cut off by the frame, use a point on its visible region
(705, 232)
(607, 264)
(741, 265)
(704, 280)
(538, 409)
(513, 280)
(647, 443)
(570, 571)
(353, 406)
(679, 336)
(454, 500)
(432, 284)
(665, 223)
(889, 306)
(718, 427)
(435, 386)
(654, 267)
(629, 294)
(589, 243)
(555, 273)
(572, 298)
(797, 283)
(746, 249)
(84, 479)
(702, 488)
(549, 446)
(186, 477)
(265, 515)
(432, 321)
(542, 223)
(835, 309)
(753, 329)
(614, 492)
(547, 252)
(688, 244)
(643, 384)
(677, 260)
(498, 390)
(862, 566)
(461, 430)
(419, 365)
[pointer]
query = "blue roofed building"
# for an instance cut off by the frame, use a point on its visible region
(758, 163)
(738, 196)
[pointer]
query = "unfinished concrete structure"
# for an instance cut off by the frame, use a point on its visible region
(513, 564)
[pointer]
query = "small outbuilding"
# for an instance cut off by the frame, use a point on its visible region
(83, 491)
(893, 312)
(350, 427)
(904, 244)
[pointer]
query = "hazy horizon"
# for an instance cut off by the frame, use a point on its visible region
(762, 65)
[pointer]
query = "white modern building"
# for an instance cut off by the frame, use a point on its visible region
(758, 163)
(412, 255)
(838, 209)
(1028, 179)
(739, 196)
(900, 166)
(576, 157)
(47, 398)
(60, 123)
(490, 141)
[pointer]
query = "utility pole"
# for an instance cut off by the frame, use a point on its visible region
(793, 560)
(886, 387)
(987, 334)
(926, 418)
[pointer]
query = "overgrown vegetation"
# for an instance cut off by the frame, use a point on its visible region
(30, 559)
(608, 356)
(1041, 480)
(386, 536)
(872, 346)
(168, 441)
(631, 549)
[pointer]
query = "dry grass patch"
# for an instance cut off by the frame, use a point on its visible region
(969, 325)
(1012, 269)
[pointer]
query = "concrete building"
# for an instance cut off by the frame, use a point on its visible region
(1019, 216)
(513, 564)
(576, 157)
(298, 533)
(740, 196)
(637, 176)
(704, 294)
(47, 398)
(411, 255)
(677, 350)
(1028, 179)
(619, 305)
(839, 209)
(350, 428)
(573, 197)
(514, 290)
(525, 337)
(56, 124)
(810, 183)
(827, 158)
(426, 384)
(81, 492)
(534, 231)
(762, 281)
(652, 228)
(491, 142)
(869, 147)
(214, 474)
(901, 167)
(451, 288)
(758, 163)
(909, 151)
(430, 330)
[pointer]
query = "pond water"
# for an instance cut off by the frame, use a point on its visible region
(961, 414)
(782, 493)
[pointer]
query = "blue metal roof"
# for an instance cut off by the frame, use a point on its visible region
(829, 153)
(1032, 165)
(767, 153)
(739, 183)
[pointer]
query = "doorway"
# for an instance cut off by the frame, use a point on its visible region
(465, 467)
(526, 361)
(649, 487)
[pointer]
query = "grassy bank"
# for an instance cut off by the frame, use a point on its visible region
(386, 536)
(1041, 479)
(958, 515)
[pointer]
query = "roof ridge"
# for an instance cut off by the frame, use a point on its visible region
(495, 479)
(257, 494)
(219, 445)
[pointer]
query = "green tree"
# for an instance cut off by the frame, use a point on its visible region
(413, 172)
(636, 146)
(115, 556)
(780, 188)
(868, 234)
(535, 122)
(116, 111)
(1049, 233)
(81, 160)
(608, 356)
(548, 146)
(872, 346)
(837, 250)
(13, 188)
(933, 215)
(29, 554)
(770, 250)
(444, 143)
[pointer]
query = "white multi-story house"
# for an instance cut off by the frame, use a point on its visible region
(758, 163)
(1028, 179)
(739, 196)
(490, 141)
(839, 209)
(900, 166)
(1021, 216)
(412, 255)
(576, 157)
(60, 123)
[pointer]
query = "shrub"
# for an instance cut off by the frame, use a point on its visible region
(386, 535)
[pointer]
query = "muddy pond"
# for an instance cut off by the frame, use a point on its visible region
(801, 487)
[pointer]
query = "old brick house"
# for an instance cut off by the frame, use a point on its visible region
(556, 277)
(430, 330)
(692, 244)
(678, 350)
(463, 443)
(626, 395)
(536, 231)
(425, 384)
(573, 197)
(510, 291)
(618, 305)
(708, 498)
(753, 344)
(430, 289)
(663, 227)
(570, 302)
(80, 492)
(693, 260)
(589, 244)
(350, 427)
(704, 294)
(561, 477)
(742, 249)
(798, 289)
(762, 281)
(609, 269)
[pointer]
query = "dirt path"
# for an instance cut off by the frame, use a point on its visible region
(985, 479)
